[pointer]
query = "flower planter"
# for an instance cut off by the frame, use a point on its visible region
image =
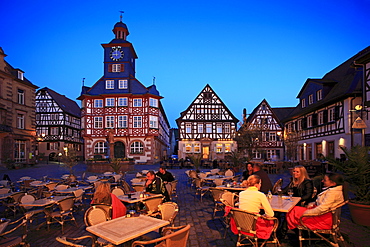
(104, 166)
(360, 213)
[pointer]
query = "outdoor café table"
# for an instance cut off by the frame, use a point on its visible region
(138, 183)
(123, 229)
(38, 183)
(283, 204)
(73, 189)
(218, 177)
(233, 188)
(44, 201)
(135, 197)
(6, 195)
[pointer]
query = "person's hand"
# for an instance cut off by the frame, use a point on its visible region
(311, 205)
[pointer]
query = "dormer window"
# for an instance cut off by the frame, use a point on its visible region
(122, 84)
(109, 84)
(319, 95)
(310, 99)
(303, 103)
(116, 67)
(20, 75)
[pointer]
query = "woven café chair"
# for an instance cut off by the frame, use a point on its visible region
(334, 237)
(13, 202)
(228, 198)
(138, 188)
(174, 188)
(126, 187)
(172, 237)
(229, 173)
(78, 197)
(278, 184)
(151, 205)
(201, 190)
(12, 237)
(97, 214)
(67, 241)
(65, 212)
(246, 223)
(118, 191)
(216, 195)
(169, 211)
(27, 199)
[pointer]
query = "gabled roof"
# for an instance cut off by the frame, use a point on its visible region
(67, 105)
(343, 81)
(278, 112)
(207, 89)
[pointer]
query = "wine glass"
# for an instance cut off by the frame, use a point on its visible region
(290, 193)
(279, 191)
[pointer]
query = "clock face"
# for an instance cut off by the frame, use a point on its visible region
(116, 53)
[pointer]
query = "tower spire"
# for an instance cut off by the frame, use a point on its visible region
(120, 16)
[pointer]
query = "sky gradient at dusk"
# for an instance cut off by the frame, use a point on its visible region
(245, 50)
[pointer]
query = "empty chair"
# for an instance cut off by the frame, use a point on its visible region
(201, 190)
(216, 195)
(118, 191)
(31, 211)
(65, 212)
(75, 242)
(126, 187)
(168, 211)
(151, 205)
(10, 238)
(174, 188)
(214, 171)
(78, 194)
(51, 186)
(218, 181)
(177, 237)
(61, 187)
(138, 188)
(13, 203)
(276, 186)
(229, 173)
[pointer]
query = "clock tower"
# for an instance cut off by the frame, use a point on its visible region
(119, 55)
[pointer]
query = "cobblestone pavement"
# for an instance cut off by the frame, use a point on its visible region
(205, 231)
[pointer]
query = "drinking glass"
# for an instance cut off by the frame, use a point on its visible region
(290, 193)
(279, 191)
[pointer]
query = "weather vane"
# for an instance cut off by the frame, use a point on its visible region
(83, 81)
(153, 80)
(120, 17)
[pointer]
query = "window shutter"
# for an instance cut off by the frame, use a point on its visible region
(314, 119)
(122, 68)
(110, 67)
(304, 123)
(336, 112)
(325, 116)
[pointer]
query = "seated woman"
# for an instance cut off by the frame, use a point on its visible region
(103, 195)
(248, 171)
(301, 185)
(252, 200)
(329, 198)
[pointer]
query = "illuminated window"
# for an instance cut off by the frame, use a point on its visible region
(196, 148)
(218, 148)
(188, 148)
(227, 148)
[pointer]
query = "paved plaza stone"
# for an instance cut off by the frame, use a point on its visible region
(204, 231)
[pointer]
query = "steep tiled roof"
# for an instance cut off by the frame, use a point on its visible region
(343, 81)
(64, 103)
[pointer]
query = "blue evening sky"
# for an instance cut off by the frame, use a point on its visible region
(246, 50)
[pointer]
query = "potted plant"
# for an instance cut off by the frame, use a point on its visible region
(116, 165)
(356, 170)
(196, 159)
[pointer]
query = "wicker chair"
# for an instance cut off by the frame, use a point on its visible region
(65, 212)
(201, 190)
(278, 184)
(97, 213)
(9, 238)
(169, 211)
(13, 202)
(177, 237)
(151, 205)
(334, 233)
(138, 188)
(218, 205)
(66, 241)
(126, 187)
(246, 223)
(118, 191)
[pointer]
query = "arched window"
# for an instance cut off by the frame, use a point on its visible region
(100, 148)
(137, 148)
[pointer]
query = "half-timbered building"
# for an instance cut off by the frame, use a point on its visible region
(17, 115)
(265, 122)
(121, 117)
(330, 112)
(207, 127)
(58, 124)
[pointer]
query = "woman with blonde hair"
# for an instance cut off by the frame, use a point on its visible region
(103, 195)
(301, 185)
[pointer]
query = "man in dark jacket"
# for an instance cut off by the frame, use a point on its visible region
(155, 185)
(265, 180)
(165, 175)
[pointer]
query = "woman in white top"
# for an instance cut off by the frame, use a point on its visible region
(252, 200)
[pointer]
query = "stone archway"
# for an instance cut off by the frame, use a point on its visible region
(119, 150)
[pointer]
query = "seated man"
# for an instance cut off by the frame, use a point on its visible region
(329, 198)
(155, 185)
(266, 182)
(165, 175)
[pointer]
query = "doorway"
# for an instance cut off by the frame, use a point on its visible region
(119, 150)
(205, 152)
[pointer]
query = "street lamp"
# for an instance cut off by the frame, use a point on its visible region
(59, 155)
